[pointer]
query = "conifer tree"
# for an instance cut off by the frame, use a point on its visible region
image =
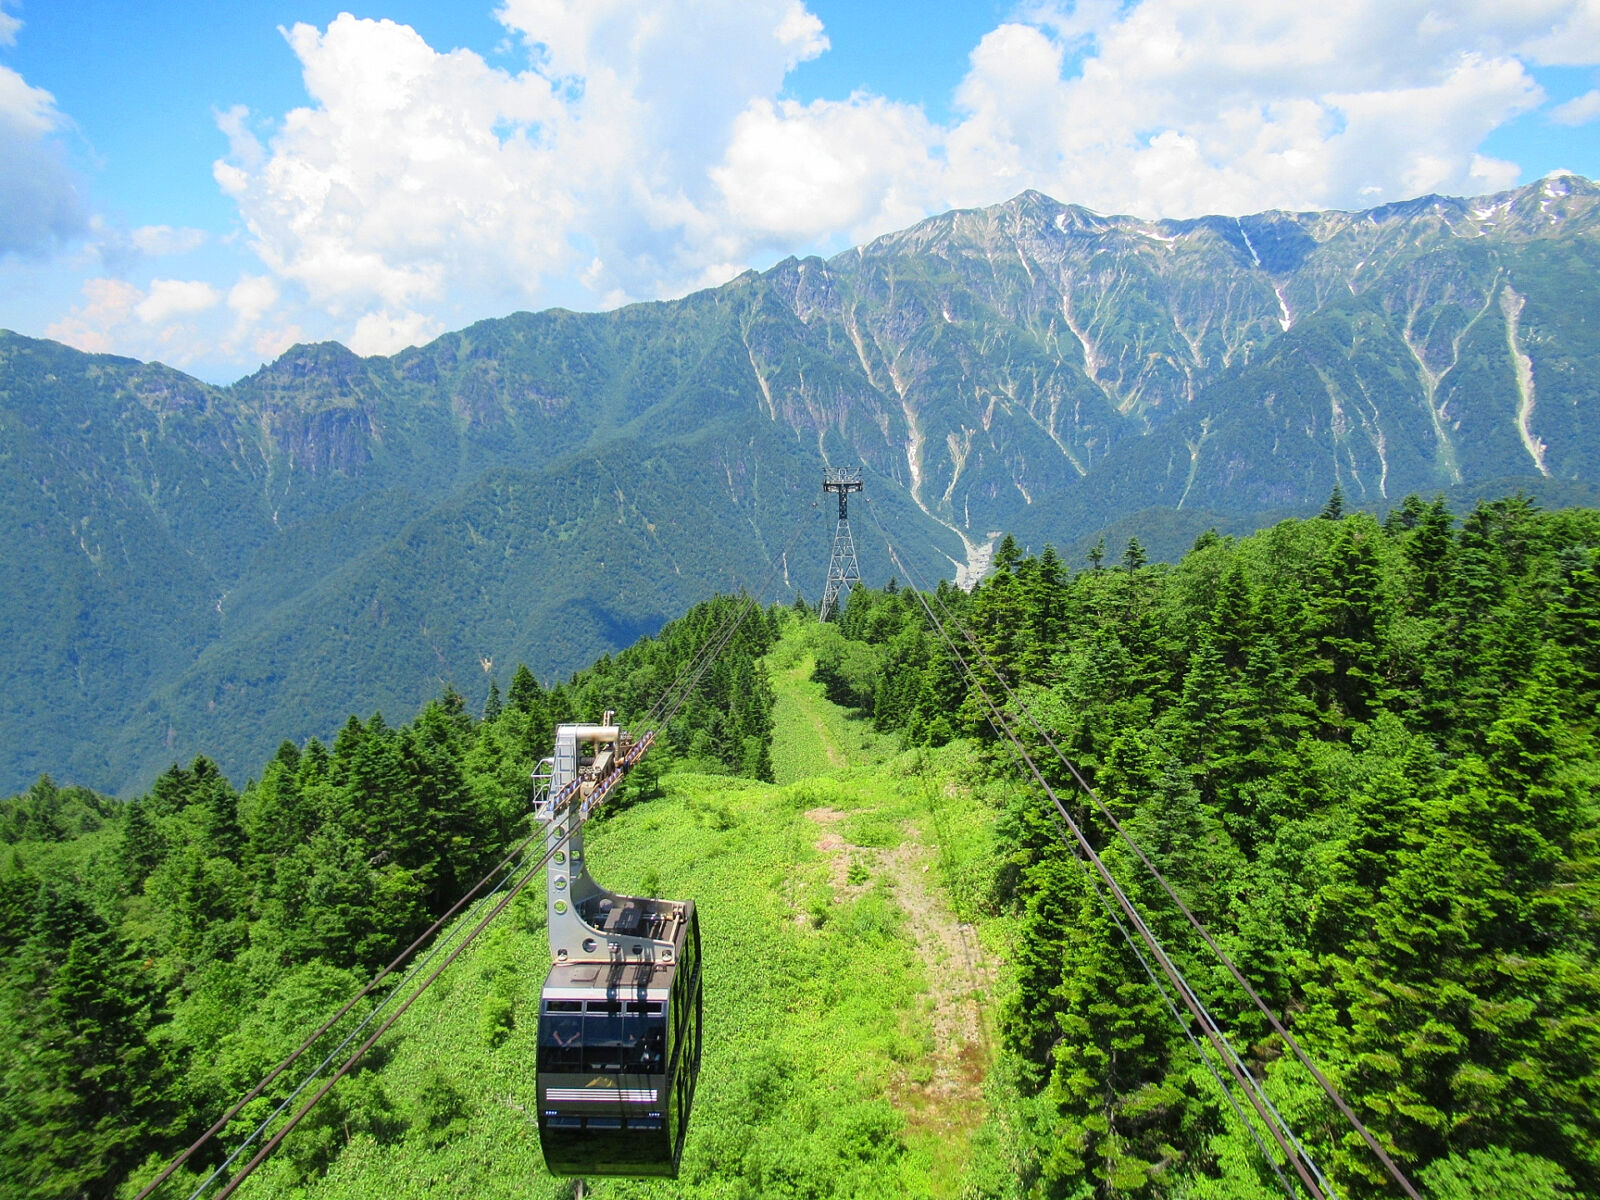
(79, 1077)
(1133, 557)
(1045, 604)
(1333, 510)
(1097, 553)
(314, 765)
(1116, 1090)
(141, 847)
(1349, 622)
(19, 892)
(1428, 550)
(1007, 555)
(525, 692)
(1576, 618)
(210, 789)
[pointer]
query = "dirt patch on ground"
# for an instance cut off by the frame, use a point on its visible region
(960, 976)
(831, 843)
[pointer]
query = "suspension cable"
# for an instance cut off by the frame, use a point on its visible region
(1288, 1145)
(1199, 1047)
(416, 968)
(671, 700)
(689, 678)
(266, 1080)
(992, 715)
(1223, 957)
(550, 851)
(349, 1063)
(528, 873)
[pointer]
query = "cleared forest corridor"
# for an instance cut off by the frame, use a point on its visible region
(896, 848)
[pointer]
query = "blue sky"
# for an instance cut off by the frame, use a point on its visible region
(205, 184)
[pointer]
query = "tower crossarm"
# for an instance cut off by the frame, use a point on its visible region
(842, 480)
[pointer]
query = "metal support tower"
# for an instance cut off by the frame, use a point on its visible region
(843, 574)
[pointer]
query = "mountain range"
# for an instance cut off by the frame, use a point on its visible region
(193, 568)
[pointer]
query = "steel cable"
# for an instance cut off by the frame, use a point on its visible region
(689, 677)
(294, 1056)
(683, 686)
(1222, 956)
(991, 716)
(1287, 1144)
(433, 952)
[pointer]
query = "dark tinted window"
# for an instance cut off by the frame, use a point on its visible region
(623, 1044)
(561, 1042)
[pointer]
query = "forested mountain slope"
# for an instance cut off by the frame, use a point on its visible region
(1367, 755)
(191, 566)
(162, 955)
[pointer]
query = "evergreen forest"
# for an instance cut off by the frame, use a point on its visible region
(1362, 752)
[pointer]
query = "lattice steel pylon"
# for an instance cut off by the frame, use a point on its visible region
(843, 573)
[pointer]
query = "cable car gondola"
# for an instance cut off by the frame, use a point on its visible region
(619, 1016)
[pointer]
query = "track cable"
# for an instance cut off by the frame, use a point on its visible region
(689, 677)
(1289, 1146)
(1199, 927)
(267, 1079)
(996, 721)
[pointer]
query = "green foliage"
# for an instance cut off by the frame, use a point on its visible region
(1364, 754)
(1494, 1172)
(47, 813)
(439, 1110)
(162, 955)
(873, 829)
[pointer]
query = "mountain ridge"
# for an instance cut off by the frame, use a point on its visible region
(211, 568)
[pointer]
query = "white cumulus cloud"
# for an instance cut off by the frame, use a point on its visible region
(41, 205)
(419, 181)
(384, 332)
(796, 172)
(252, 297)
(169, 298)
(1178, 107)
(1580, 110)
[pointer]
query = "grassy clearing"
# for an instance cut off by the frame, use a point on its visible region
(829, 1070)
(812, 736)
